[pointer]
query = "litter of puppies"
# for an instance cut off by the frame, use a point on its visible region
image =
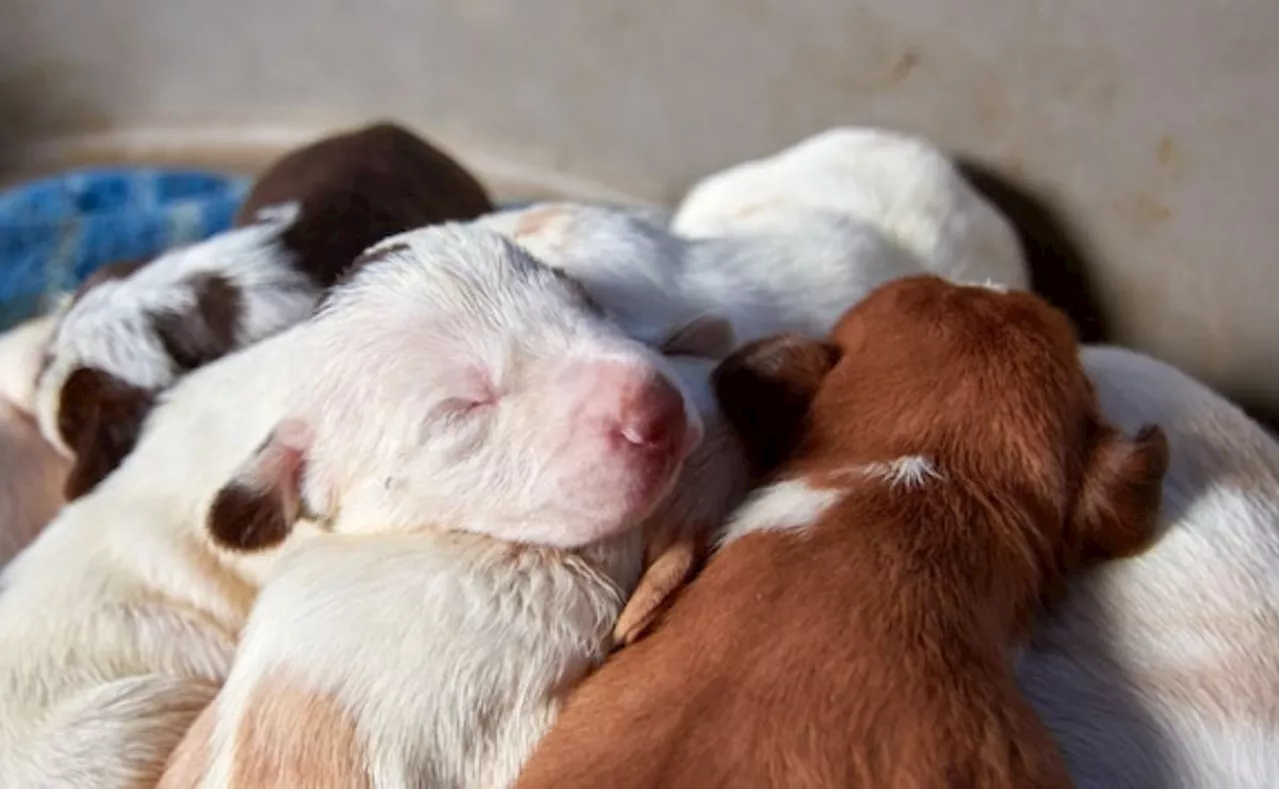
(387, 487)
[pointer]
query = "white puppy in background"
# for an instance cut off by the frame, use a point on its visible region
(1161, 670)
(786, 243)
(515, 410)
(900, 184)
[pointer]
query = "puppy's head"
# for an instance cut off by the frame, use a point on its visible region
(987, 386)
(456, 382)
(631, 265)
(133, 329)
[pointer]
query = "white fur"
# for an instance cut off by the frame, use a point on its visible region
(899, 184)
(910, 471)
(1161, 670)
(20, 350)
(124, 597)
(801, 275)
(653, 283)
(797, 503)
(785, 505)
(109, 328)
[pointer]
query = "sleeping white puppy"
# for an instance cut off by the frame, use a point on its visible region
(453, 380)
(897, 183)
(435, 656)
(1161, 670)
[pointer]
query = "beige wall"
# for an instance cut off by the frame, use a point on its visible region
(1145, 129)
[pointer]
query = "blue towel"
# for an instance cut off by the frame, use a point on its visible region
(56, 231)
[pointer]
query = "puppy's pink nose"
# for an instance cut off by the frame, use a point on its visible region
(653, 416)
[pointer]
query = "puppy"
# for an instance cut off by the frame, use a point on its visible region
(1161, 671)
(515, 412)
(31, 471)
(135, 328)
(944, 465)
(498, 571)
(898, 183)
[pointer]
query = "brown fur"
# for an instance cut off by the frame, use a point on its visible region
(100, 417)
(871, 648)
(359, 188)
(313, 742)
(208, 332)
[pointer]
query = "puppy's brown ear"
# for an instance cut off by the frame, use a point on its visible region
(257, 508)
(708, 336)
(99, 418)
(765, 388)
(1119, 502)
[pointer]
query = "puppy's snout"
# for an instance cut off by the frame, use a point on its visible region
(637, 410)
(653, 417)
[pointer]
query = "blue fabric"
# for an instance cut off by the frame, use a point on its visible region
(56, 231)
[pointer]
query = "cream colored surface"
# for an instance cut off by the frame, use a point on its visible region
(1148, 127)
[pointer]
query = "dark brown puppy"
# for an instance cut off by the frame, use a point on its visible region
(944, 466)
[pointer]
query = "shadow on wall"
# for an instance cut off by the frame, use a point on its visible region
(1058, 270)
(1059, 267)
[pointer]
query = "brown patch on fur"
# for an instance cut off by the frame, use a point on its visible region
(244, 519)
(289, 735)
(198, 336)
(99, 417)
(258, 507)
(358, 188)
(872, 647)
(189, 761)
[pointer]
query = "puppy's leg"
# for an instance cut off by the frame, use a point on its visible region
(670, 564)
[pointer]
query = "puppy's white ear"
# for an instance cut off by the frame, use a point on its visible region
(257, 508)
(708, 336)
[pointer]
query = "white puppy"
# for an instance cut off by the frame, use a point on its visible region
(436, 657)
(698, 295)
(785, 244)
(453, 380)
(1161, 670)
(897, 183)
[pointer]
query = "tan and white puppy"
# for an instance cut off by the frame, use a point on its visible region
(1161, 670)
(453, 380)
(900, 184)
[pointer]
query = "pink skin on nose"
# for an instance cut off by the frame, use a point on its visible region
(652, 417)
(635, 408)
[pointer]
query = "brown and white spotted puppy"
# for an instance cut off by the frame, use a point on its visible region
(135, 328)
(944, 466)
